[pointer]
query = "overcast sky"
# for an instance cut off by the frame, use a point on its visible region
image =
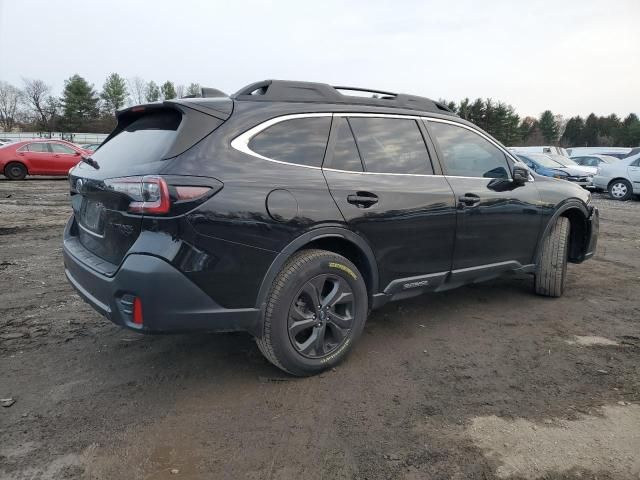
(573, 57)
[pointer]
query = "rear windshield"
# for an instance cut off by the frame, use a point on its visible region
(146, 139)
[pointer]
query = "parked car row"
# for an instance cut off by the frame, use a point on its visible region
(619, 177)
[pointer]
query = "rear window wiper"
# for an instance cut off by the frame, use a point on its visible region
(90, 161)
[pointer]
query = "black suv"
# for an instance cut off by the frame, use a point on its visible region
(291, 209)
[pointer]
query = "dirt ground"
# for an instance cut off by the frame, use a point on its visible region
(487, 381)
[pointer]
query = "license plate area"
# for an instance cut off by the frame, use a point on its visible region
(92, 216)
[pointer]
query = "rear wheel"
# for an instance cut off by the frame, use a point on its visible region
(316, 310)
(552, 267)
(15, 171)
(620, 189)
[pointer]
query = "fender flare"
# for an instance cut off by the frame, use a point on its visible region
(305, 239)
(569, 204)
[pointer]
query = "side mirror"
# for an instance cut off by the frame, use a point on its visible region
(520, 174)
(77, 154)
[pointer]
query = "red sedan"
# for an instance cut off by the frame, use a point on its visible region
(38, 157)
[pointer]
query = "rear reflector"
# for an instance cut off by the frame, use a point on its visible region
(137, 311)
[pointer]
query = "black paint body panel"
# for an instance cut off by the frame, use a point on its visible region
(230, 246)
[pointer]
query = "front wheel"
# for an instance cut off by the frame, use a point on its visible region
(620, 189)
(316, 310)
(551, 274)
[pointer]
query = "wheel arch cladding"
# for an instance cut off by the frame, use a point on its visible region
(334, 239)
(578, 234)
(351, 252)
(577, 213)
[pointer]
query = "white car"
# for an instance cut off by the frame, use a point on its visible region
(620, 179)
(580, 174)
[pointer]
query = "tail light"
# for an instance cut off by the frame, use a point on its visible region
(151, 195)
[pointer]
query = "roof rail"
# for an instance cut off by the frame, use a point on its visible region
(292, 91)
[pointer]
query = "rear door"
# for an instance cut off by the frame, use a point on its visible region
(498, 224)
(380, 174)
(39, 156)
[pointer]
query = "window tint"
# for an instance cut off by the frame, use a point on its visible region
(301, 141)
(38, 147)
(146, 139)
(59, 148)
(345, 152)
(391, 145)
(467, 154)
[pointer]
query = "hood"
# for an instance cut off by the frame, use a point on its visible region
(578, 170)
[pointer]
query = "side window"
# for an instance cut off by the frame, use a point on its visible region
(301, 141)
(467, 154)
(38, 147)
(391, 145)
(345, 153)
(60, 148)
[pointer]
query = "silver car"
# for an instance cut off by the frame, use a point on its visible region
(621, 179)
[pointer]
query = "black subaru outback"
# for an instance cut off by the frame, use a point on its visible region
(291, 209)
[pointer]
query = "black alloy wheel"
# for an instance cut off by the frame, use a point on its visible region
(321, 316)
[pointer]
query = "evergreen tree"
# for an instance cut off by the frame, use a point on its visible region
(548, 127)
(590, 131)
(79, 103)
(168, 90)
(194, 89)
(114, 93)
(152, 92)
(573, 132)
(464, 108)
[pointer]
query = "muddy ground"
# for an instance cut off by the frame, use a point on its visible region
(487, 381)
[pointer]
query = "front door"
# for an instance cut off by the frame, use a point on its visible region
(385, 186)
(498, 224)
(64, 158)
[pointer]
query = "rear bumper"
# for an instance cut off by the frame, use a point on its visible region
(170, 301)
(593, 226)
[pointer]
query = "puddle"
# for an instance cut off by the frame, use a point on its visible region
(608, 443)
(590, 341)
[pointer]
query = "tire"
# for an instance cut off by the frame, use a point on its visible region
(620, 189)
(15, 171)
(552, 267)
(300, 338)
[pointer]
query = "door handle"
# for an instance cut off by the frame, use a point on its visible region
(469, 200)
(362, 199)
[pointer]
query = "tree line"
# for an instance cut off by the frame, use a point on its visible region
(81, 108)
(501, 121)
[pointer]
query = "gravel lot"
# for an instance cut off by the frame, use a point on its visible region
(487, 381)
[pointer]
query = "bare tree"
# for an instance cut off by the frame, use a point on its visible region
(10, 99)
(137, 90)
(38, 99)
(180, 91)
